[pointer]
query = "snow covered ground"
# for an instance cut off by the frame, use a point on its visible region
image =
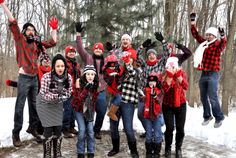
(225, 135)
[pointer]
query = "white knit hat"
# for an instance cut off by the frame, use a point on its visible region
(212, 30)
(172, 62)
(89, 68)
(126, 36)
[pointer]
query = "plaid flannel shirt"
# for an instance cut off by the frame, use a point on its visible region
(51, 94)
(211, 57)
(27, 53)
(129, 85)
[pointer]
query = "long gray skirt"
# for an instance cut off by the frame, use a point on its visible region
(50, 114)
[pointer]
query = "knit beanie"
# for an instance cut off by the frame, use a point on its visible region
(69, 48)
(126, 36)
(26, 25)
(152, 51)
(98, 46)
(111, 58)
(89, 68)
(172, 62)
(212, 30)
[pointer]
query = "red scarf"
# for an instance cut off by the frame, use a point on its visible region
(151, 63)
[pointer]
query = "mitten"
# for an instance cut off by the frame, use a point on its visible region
(193, 16)
(147, 43)
(178, 73)
(221, 31)
(78, 27)
(169, 74)
(178, 45)
(159, 36)
(53, 23)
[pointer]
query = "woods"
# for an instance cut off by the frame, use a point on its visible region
(106, 20)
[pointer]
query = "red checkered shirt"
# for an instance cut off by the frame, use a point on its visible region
(211, 57)
(169, 92)
(27, 53)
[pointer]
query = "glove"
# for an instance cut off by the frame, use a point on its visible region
(193, 16)
(78, 27)
(147, 43)
(178, 45)
(169, 74)
(221, 31)
(62, 97)
(53, 23)
(159, 36)
(1, 1)
(109, 46)
(11, 83)
(88, 86)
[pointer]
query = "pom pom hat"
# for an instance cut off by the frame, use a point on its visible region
(152, 51)
(126, 36)
(212, 30)
(69, 48)
(172, 62)
(89, 68)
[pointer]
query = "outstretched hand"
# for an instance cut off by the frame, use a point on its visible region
(193, 16)
(78, 26)
(147, 43)
(178, 45)
(221, 31)
(53, 23)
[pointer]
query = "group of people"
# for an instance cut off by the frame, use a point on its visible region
(156, 85)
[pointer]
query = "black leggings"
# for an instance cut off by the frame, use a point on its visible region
(50, 131)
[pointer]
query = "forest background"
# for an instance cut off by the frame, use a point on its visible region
(107, 20)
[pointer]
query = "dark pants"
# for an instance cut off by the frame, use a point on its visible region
(27, 88)
(101, 109)
(179, 113)
(68, 115)
(50, 131)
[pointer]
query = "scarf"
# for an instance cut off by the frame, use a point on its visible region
(198, 55)
(74, 68)
(151, 63)
(96, 57)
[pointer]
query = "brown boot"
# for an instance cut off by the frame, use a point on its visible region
(16, 140)
(112, 112)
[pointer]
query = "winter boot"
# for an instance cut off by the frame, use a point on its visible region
(116, 147)
(47, 147)
(133, 149)
(16, 140)
(90, 155)
(80, 155)
(112, 112)
(57, 147)
(168, 142)
(178, 153)
(156, 149)
(148, 150)
(178, 144)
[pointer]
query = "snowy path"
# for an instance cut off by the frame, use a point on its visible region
(192, 148)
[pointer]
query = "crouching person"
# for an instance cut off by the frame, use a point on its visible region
(152, 108)
(83, 103)
(55, 88)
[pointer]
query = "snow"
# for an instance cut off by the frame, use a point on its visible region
(225, 135)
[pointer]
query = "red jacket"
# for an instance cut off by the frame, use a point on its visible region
(174, 94)
(41, 71)
(152, 105)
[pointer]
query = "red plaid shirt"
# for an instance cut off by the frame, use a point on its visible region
(26, 53)
(169, 91)
(211, 57)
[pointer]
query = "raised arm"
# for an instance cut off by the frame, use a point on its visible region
(6, 10)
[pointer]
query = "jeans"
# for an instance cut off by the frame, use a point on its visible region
(126, 111)
(84, 127)
(153, 130)
(101, 109)
(116, 100)
(179, 113)
(27, 88)
(68, 115)
(208, 85)
(140, 113)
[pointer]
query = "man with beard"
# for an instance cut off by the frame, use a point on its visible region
(28, 47)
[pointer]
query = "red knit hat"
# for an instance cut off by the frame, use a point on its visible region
(69, 48)
(98, 46)
(111, 58)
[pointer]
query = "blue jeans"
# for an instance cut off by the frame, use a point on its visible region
(101, 109)
(82, 128)
(68, 115)
(140, 113)
(27, 88)
(126, 111)
(208, 89)
(116, 100)
(153, 130)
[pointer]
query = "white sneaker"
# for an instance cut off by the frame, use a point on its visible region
(206, 121)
